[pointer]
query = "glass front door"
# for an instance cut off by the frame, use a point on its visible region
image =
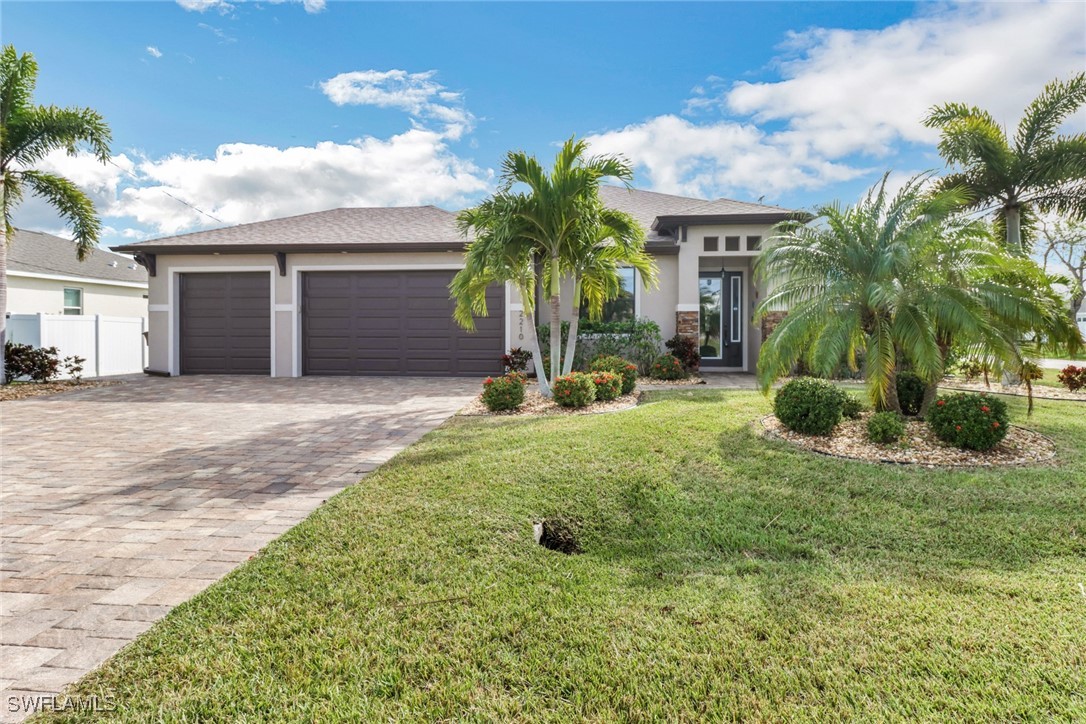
(721, 318)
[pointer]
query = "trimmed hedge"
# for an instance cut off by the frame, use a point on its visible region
(667, 367)
(809, 406)
(504, 393)
(910, 392)
(969, 421)
(851, 407)
(574, 390)
(885, 427)
(624, 368)
(608, 385)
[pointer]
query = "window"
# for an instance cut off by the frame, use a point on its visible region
(712, 243)
(73, 300)
(731, 243)
(624, 307)
(754, 243)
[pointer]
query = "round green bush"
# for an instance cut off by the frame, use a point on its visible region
(808, 406)
(608, 385)
(885, 427)
(910, 392)
(968, 421)
(504, 393)
(667, 367)
(574, 390)
(851, 407)
(623, 368)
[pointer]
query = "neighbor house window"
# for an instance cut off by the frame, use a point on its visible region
(622, 308)
(73, 300)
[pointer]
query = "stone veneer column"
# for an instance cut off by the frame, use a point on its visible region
(686, 324)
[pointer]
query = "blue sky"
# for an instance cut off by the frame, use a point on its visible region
(252, 110)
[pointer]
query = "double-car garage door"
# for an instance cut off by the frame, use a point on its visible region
(351, 323)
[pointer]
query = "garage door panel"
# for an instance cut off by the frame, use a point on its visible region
(225, 323)
(394, 323)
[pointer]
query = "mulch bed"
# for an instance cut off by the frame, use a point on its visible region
(1040, 392)
(536, 405)
(650, 382)
(919, 446)
(23, 390)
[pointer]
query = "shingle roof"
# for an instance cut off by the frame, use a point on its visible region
(35, 252)
(397, 224)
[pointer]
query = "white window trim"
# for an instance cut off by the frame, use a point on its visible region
(64, 303)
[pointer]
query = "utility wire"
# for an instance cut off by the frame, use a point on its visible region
(180, 201)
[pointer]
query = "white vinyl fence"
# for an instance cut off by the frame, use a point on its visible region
(111, 345)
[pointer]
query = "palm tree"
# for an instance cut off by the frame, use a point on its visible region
(842, 283)
(29, 133)
(554, 224)
(1040, 172)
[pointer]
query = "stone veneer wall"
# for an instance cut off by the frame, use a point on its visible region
(686, 324)
(770, 322)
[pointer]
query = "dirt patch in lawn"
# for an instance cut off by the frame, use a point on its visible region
(23, 390)
(918, 446)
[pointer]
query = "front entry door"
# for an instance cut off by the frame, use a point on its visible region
(721, 318)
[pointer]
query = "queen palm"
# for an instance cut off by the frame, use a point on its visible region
(29, 133)
(1039, 172)
(842, 283)
(552, 223)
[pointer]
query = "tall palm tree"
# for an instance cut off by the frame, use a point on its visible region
(29, 133)
(545, 217)
(842, 284)
(1039, 172)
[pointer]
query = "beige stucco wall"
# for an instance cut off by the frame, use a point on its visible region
(33, 295)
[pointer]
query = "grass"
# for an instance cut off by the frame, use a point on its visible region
(724, 577)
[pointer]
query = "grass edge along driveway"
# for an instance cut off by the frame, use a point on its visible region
(723, 576)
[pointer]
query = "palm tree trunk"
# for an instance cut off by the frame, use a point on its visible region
(537, 356)
(931, 389)
(556, 321)
(892, 403)
(571, 341)
(1013, 216)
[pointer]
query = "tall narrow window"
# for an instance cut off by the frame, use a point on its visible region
(73, 300)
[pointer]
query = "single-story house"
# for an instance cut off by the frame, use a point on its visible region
(46, 277)
(364, 291)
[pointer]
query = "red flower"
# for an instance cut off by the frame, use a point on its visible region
(984, 408)
(940, 403)
(488, 380)
(957, 427)
(995, 424)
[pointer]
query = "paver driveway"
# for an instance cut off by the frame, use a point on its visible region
(118, 503)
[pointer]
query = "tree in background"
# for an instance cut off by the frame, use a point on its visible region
(1065, 242)
(1039, 172)
(29, 133)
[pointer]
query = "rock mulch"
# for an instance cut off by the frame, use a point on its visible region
(1040, 392)
(919, 446)
(23, 390)
(536, 405)
(650, 382)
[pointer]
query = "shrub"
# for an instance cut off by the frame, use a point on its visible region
(686, 350)
(504, 393)
(626, 370)
(968, 421)
(910, 392)
(667, 367)
(809, 406)
(608, 385)
(1030, 371)
(851, 407)
(1072, 377)
(40, 364)
(516, 360)
(574, 390)
(972, 368)
(885, 427)
(637, 340)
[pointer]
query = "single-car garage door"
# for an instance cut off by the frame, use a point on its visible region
(394, 323)
(226, 323)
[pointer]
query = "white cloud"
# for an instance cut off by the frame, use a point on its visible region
(218, 33)
(414, 93)
(224, 7)
(154, 52)
(245, 182)
(848, 100)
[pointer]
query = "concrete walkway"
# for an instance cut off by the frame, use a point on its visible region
(118, 503)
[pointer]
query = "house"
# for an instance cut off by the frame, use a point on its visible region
(46, 277)
(364, 291)
(1080, 317)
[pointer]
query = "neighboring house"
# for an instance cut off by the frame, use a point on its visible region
(46, 277)
(365, 291)
(1081, 318)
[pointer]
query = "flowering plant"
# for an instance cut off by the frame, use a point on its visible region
(971, 422)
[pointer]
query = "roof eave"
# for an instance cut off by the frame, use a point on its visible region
(358, 248)
(670, 222)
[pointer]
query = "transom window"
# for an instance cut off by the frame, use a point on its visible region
(73, 300)
(624, 307)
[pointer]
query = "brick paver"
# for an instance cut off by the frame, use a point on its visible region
(118, 503)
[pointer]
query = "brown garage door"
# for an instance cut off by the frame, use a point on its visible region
(226, 324)
(394, 323)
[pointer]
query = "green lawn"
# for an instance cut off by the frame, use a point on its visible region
(724, 577)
